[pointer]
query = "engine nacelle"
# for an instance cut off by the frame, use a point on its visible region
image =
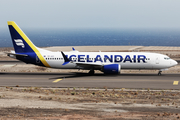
(112, 69)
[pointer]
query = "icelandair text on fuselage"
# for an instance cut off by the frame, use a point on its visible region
(106, 58)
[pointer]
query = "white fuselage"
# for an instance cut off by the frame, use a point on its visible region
(127, 60)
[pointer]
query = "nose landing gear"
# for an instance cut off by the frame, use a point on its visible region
(159, 73)
(91, 72)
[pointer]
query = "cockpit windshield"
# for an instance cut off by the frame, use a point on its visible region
(167, 58)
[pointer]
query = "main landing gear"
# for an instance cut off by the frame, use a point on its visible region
(159, 73)
(91, 72)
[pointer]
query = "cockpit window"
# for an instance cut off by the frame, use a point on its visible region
(166, 58)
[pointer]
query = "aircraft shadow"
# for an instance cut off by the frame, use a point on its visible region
(9, 73)
(78, 75)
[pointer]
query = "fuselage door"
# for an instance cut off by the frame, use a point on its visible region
(157, 60)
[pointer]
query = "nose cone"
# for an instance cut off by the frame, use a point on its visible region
(174, 63)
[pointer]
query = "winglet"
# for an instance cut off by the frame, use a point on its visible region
(66, 60)
(73, 49)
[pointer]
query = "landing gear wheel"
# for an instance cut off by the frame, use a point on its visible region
(159, 73)
(91, 72)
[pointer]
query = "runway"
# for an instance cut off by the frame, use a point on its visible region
(62, 80)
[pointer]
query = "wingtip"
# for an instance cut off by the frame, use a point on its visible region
(66, 60)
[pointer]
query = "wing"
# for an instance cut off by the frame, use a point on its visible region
(88, 64)
(97, 66)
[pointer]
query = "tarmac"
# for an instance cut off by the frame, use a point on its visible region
(81, 80)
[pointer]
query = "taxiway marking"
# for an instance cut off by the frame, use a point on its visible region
(175, 82)
(57, 80)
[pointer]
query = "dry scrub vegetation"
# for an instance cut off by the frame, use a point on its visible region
(85, 103)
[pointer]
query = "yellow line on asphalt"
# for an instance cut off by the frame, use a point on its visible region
(57, 80)
(175, 82)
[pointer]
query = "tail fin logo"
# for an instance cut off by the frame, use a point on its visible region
(19, 42)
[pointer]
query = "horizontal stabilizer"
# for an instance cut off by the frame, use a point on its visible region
(22, 55)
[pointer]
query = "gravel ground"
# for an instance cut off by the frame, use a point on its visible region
(81, 103)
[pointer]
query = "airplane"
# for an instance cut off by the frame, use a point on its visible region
(107, 62)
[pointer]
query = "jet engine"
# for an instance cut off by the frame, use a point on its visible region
(112, 69)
